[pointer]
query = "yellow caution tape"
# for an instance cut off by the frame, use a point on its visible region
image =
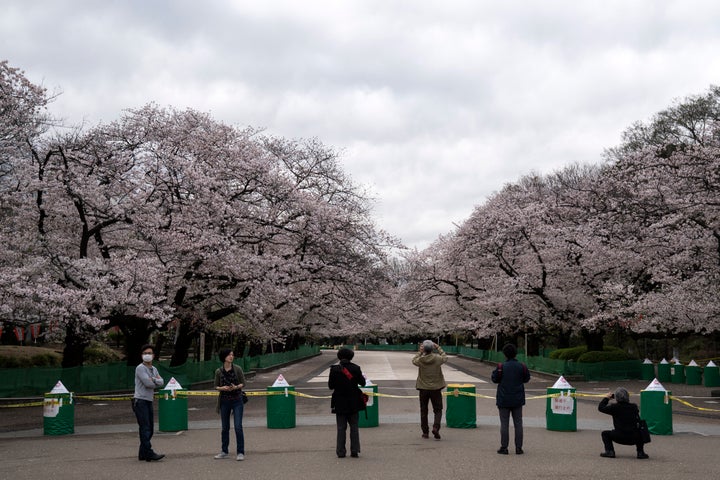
(103, 398)
(452, 392)
(20, 405)
(686, 403)
(387, 395)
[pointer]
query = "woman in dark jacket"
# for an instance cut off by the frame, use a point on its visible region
(510, 376)
(345, 380)
(625, 419)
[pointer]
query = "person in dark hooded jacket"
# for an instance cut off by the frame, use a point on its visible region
(510, 376)
(345, 380)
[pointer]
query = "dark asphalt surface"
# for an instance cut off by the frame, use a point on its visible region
(105, 441)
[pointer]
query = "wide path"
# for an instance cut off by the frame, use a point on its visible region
(394, 450)
(387, 367)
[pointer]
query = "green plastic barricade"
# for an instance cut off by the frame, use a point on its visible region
(663, 371)
(58, 414)
(656, 409)
(461, 409)
(371, 416)
(172, 410)
(693, 373)
(280, 407)
(561, 407)
(647, 370)
(677, 373)
(711, 375)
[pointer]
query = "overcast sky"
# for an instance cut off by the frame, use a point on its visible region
(434, 104)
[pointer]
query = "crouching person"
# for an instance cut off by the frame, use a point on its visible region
(625, 420)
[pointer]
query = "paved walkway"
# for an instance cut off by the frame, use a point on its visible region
(392, 450)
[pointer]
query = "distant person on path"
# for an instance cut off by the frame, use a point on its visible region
(625, 417)
(345, 380)
(430, 383)
(147, 379)
(510, 376)
(229, 381)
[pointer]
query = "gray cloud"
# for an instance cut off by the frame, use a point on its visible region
(434, 104)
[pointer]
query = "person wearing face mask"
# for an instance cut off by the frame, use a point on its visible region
(147, 379)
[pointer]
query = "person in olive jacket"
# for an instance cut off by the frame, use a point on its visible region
(510, 376)
(625, 417)
(430, 382)
(345, 380)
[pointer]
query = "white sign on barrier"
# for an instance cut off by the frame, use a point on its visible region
(563, 404)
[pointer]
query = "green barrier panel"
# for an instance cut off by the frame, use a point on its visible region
(58, 414)
(693, 375)
(172, 410)
(663, 372)
(561, 411)
(656, 410)
(118, 376)
(280, 408)
(677, 373)
(371, 416)
(472, 352)
(647, 371)
(711, 376)
(461, 409)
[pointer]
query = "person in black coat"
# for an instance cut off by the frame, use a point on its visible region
(345, 380)
(510, 376)
(625, 419)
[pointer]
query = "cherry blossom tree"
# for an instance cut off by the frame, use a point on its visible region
(168, 215)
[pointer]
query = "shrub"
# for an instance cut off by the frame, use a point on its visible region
(97, 353)
(45, 360)
(580, 354)
(610, 354)
(10, 362)
(568, 353)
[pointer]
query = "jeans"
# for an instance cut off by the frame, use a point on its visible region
(434, 397)
(236, 408)
(342, 422)
(505, 426)
(144, 413)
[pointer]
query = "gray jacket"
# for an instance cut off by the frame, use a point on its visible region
(147, 379)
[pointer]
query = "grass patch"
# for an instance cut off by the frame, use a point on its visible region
(19, 356)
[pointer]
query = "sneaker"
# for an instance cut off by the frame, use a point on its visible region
(354, 455)
(642, 455)
(425, 435)
(220, 456)
(503, 451)
(436, 433)
(609, 454)
(240, 457)
(519, 451)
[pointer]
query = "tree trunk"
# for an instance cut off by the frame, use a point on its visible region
(563, 339)
(137, 333)
(533, 347)
(594, 341)
(75, 344)
(255, 349)
(185, 338)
